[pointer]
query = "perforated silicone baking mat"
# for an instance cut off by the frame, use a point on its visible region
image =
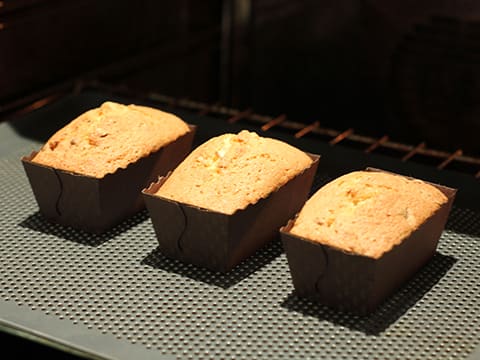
(118, 285)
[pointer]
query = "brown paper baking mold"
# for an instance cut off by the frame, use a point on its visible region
(356, 283)
(97, 204)
(219, 241)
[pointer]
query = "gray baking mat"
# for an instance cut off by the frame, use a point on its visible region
(119, 285)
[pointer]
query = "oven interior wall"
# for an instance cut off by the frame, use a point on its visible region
(408, 69)
(167, 46)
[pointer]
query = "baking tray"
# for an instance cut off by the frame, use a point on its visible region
(114, 296)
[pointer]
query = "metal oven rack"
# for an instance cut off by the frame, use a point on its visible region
(114, 296)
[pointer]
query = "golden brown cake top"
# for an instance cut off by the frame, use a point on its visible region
(229, 172)
(367, 212)
(105, 139)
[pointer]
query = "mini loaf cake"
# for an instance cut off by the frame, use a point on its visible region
(228, 198)
(363, 235)
(90, 174)
(367, 213)
(108, 138)
(230, 172)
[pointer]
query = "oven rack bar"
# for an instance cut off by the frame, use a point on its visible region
(371, 144)
(441, 159)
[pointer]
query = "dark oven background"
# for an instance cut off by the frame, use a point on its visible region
(405, 68)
